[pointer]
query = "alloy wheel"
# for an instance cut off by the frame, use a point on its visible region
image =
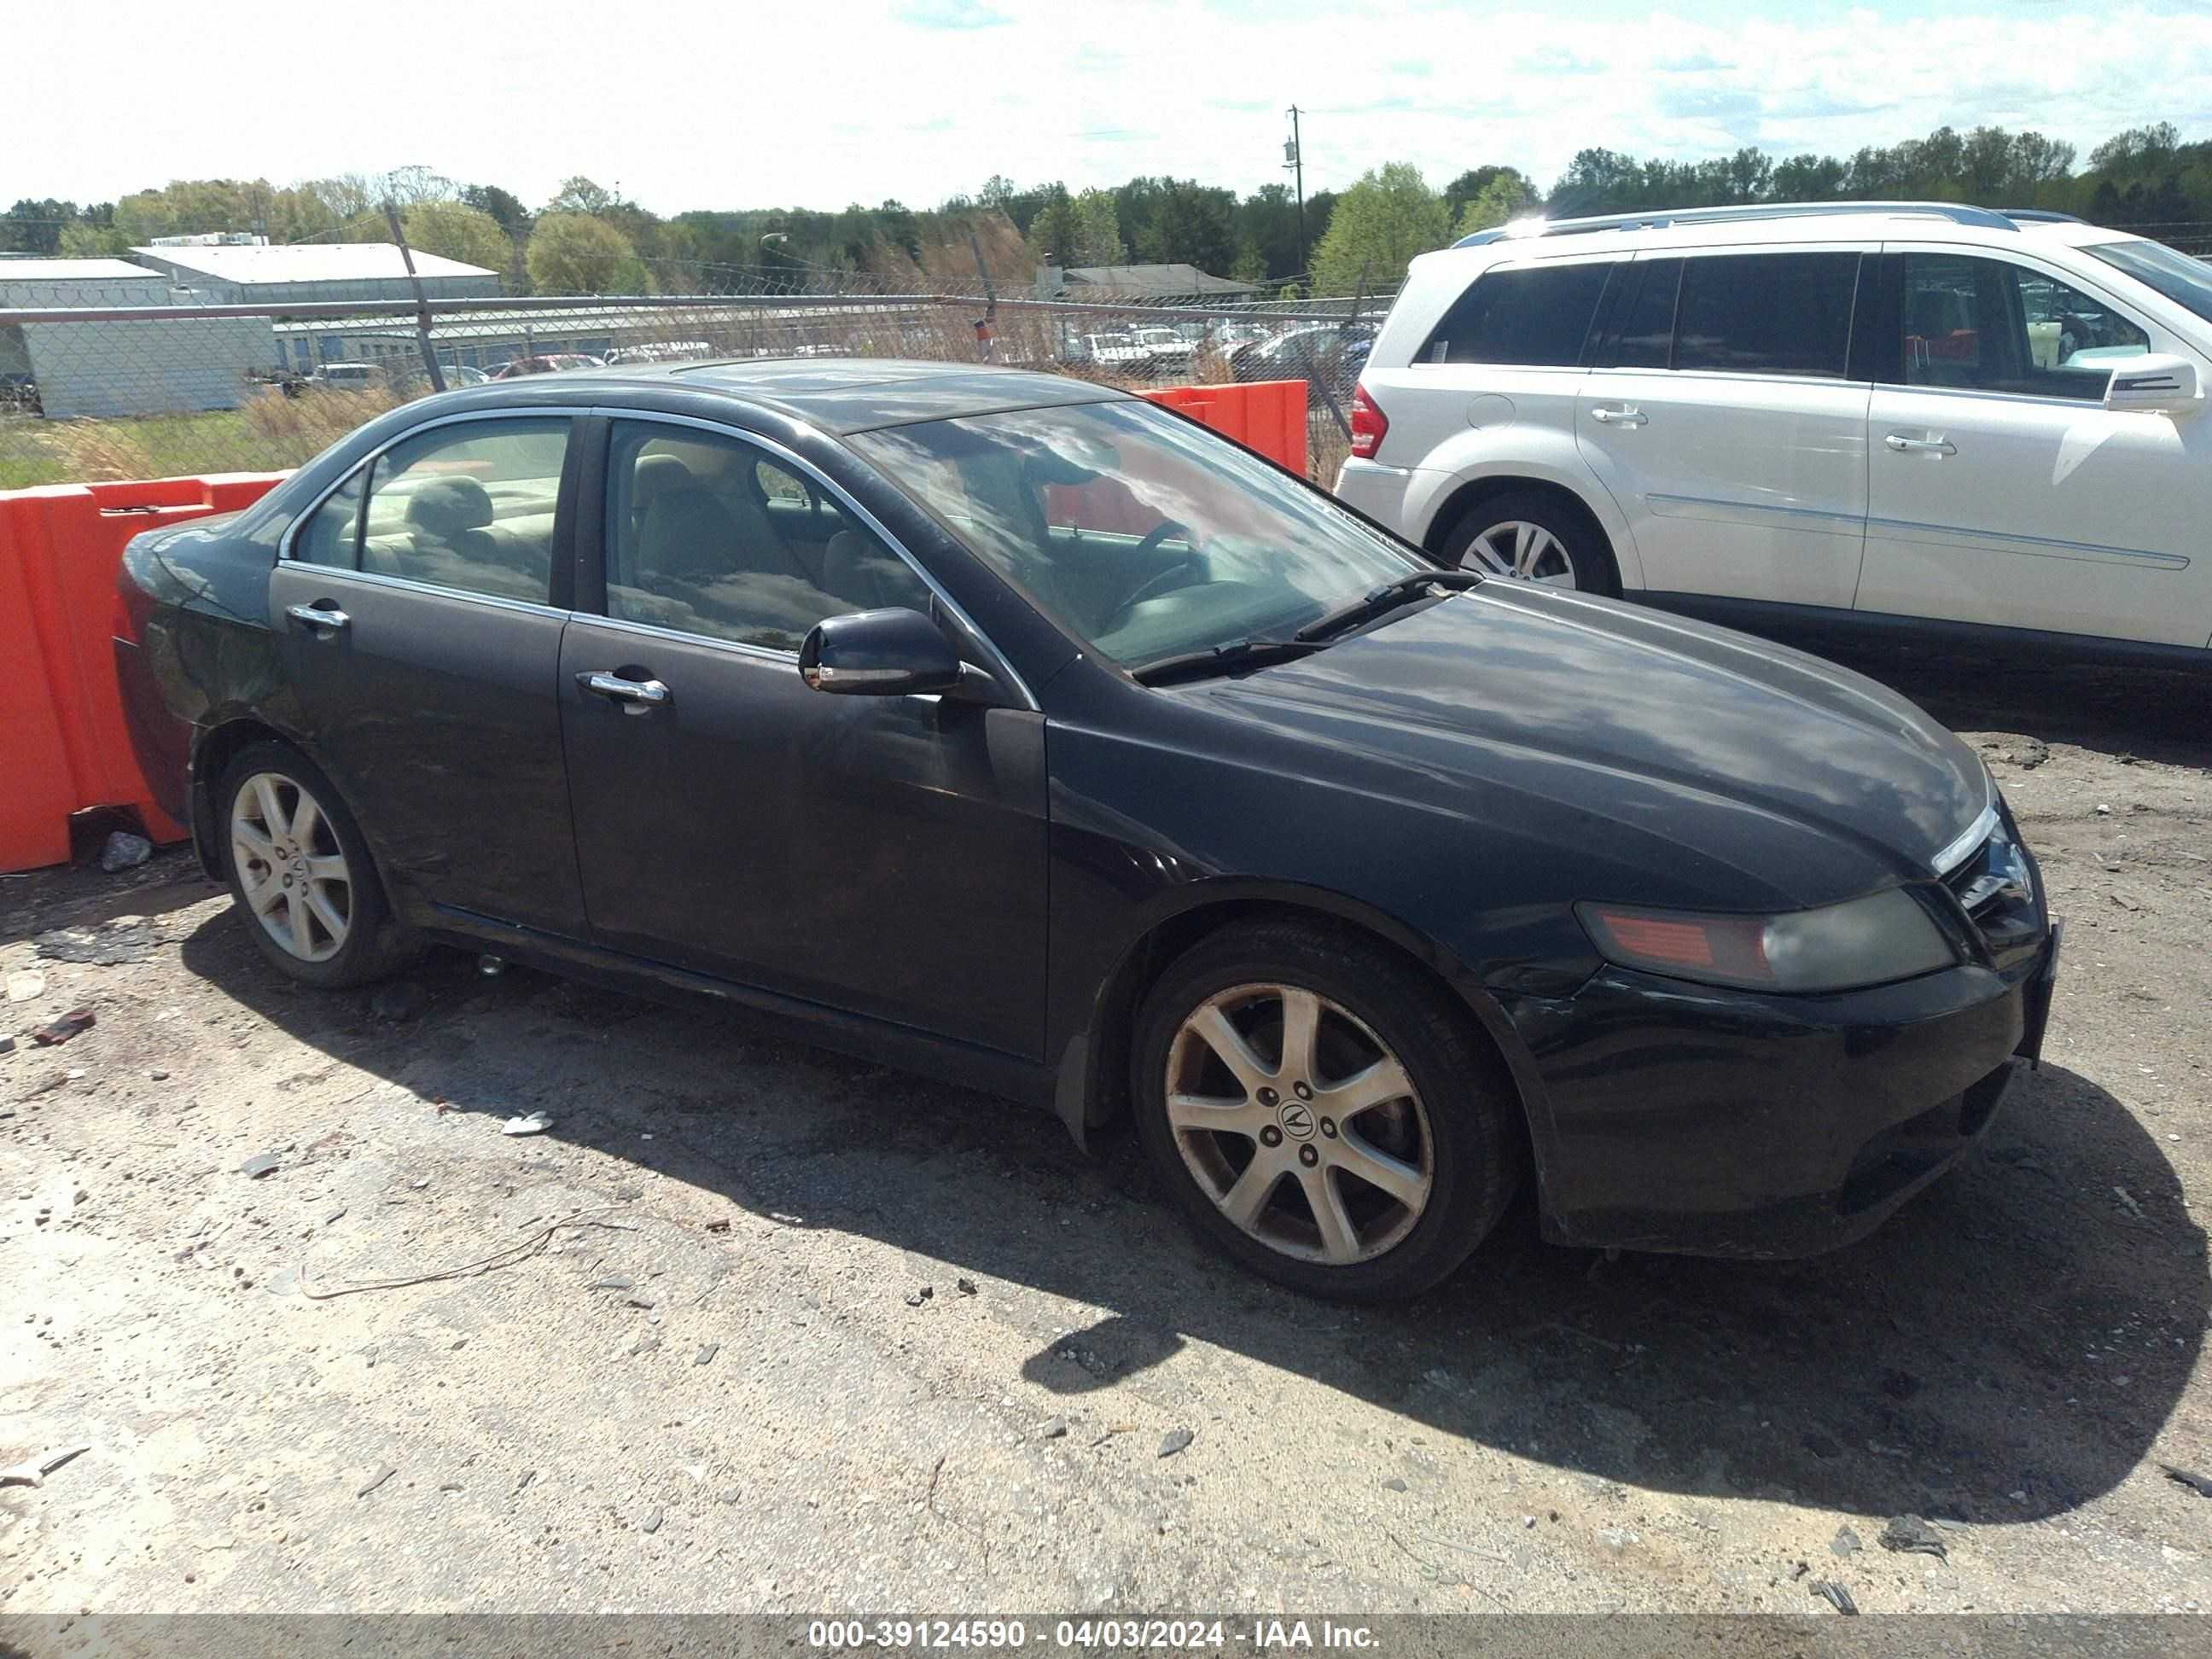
(290, 866)
(1522, 550)
(1299, 1123)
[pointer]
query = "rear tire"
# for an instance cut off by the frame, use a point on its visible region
(301, 873)
(1323, 1111)
(1531, 535)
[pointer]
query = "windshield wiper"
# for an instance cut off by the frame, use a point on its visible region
(1232, 658)
(1403, 590)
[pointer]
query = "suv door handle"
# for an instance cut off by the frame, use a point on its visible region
(1625, 416)
(635, 697)
(323, 619)
(1906, 444)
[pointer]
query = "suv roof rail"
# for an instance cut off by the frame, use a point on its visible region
(1658, 218)
(2041, 217)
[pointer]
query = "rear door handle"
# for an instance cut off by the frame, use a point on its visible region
(323, 618)
(1625, 416)
(1903, 444)
(635, 697)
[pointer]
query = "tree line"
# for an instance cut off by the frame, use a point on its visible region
(590, 240)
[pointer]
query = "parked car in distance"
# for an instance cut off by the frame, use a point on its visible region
(543, 363)
(661, 351)
(348, 377)
(1010, 728)
(1941, 420)
(1168, 349)
(1328, 354)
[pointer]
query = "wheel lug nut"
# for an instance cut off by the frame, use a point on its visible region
(1304, 1090)
(1269, 1096)
(1271, 1136)
(1329, 1127)
(1309, 1156)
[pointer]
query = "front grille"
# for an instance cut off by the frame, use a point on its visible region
(1996, 887)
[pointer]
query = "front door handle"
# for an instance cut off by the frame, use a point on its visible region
(635, 697)
(1625, 416)
(323, 618)
(1905, 444)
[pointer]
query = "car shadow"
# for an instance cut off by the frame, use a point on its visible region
(2006, 1348)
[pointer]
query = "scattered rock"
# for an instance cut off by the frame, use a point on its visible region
(1618, 1539)
(25, 987)
(2199, 1483)
(707, 1353)
(965, 1286)
(1835, 1594)
(388, 1472)
(641, 1302)
(124, 851)
(921, 1296)
(528, 1475)
(1845, 1543)
(722, 1225)
(2103, 809)
(645, 1344)
(258, 1165)
(732, 1496)
(126, 938)
(1393, 1484)
(1054, 1430)
(1908, 1534)
(62, 1030)
(652, 1522)
(8, 1047)
(400, 1000)
(530, 1123)
(160, 1075)
(2129, 1203)
(614, 1282)
(1174, 1441)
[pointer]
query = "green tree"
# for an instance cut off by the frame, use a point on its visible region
(1098, 230)
(1507, 196)
(1378, 226)
(86, 241)
(1054, 233)
(577, 253)
(578, 194)
(504, 206)
(453, 231)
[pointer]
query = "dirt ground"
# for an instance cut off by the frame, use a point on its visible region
(757, 1327)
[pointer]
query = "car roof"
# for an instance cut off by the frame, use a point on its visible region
(854, 394)
(1793, 224)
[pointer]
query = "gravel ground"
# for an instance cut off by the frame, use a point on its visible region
(756, 1328)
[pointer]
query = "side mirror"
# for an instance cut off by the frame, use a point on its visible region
(2153, 385)
(878, 654)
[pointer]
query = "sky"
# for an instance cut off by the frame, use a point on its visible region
(715, 104)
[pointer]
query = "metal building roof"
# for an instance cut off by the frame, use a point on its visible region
(308, 262)
(74, 270)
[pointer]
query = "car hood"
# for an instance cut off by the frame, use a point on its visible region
(1663, 742)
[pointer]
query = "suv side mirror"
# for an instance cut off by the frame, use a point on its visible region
(878, 654)
(2153, 385)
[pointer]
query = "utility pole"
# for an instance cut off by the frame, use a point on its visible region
(421, 306)
(1294, 162)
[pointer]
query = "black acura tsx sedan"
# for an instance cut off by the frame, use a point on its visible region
(1013, 729)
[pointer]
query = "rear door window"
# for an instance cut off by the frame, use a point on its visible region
(1766, 313)
(1535, 316)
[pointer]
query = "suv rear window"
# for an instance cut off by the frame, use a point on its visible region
(1537, 316)
(1766, 313)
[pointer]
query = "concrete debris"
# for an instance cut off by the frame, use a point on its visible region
(1056, 1429)
(125, 938)
(707, 1353)
(258, 1165)
(1835, 1594)
(1174, 1441)
(124, 851)
(1846, 1542)
(1908, 1534)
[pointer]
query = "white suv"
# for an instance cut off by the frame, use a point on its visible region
(1845, 411)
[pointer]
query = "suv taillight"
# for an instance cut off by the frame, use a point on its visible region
(1369, 425)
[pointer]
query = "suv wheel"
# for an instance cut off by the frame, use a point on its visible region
(1528, 535)
(1321, 1112)
(300, 871)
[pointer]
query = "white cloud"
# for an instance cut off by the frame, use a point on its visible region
(694, 104)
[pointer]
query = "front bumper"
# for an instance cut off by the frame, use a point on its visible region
(1687, 1118)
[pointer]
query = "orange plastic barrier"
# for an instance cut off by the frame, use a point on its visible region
(64, 742)
(1269, 415)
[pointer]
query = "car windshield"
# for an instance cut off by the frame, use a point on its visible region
(1141, 534)
(2184, 281)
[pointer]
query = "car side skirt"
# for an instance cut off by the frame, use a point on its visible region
(1812, 620)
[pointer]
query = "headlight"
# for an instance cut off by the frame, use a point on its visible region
(1885, 936)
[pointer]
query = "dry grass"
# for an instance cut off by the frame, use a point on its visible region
(88, 452)
(290, 431)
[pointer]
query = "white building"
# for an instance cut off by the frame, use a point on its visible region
(255, 274)
(115, 368)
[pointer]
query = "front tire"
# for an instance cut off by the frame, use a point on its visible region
(1529, 535)
(301, 873)
(1321, 1111)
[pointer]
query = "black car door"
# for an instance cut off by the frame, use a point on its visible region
(884, 856)
(420, 642)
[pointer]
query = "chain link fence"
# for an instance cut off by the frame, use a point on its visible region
(103, 381)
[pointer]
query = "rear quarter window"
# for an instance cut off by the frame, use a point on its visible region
(1535, 316)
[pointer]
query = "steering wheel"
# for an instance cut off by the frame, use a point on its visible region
(1159, 581)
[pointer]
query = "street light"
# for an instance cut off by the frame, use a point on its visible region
(1294, 163)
